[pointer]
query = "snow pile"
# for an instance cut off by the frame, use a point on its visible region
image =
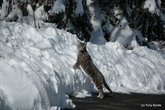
(139, 70)
(15, 88)
(37, 75)
(36, 68)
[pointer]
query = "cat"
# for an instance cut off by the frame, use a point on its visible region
(84, 60)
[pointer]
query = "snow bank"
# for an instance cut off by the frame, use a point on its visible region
(140, 70)
(36, 68)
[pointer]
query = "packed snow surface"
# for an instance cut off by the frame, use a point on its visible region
(36, 68)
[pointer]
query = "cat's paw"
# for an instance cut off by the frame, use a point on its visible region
(101, 96)
(74, 67)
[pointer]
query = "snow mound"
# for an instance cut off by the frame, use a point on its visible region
(36, 68)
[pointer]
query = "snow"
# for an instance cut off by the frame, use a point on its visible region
(40, 15)
(13, 83)
(130, 70)
(16, 12)
(79, 8)
(58, 7)
(30, 18)
(125, 35)
(36, 68)
(4, 10)
(29, 10)
(152, 7)
(25, 50)
(97, 33)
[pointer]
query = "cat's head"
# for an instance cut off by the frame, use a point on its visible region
(82, 46)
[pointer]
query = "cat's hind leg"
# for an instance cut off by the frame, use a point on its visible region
(101, 95)
(101, 92)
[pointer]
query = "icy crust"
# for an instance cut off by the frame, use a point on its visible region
(36, 68)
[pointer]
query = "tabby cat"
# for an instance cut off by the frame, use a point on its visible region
(85, 61)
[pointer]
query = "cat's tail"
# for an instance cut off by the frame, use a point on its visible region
(106, 86)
